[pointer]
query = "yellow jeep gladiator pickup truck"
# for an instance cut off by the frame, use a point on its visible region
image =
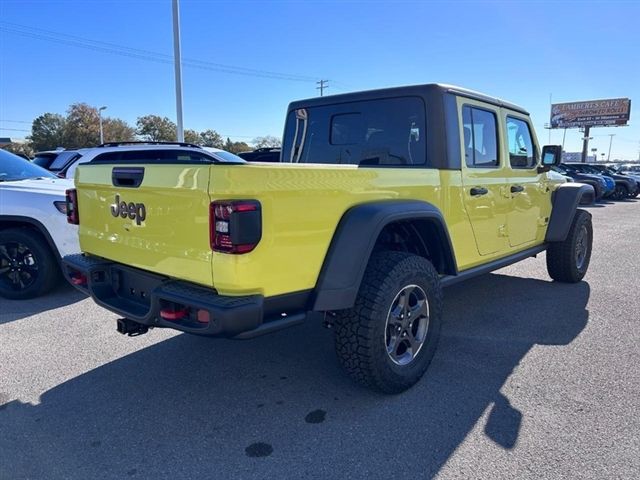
(381, 199)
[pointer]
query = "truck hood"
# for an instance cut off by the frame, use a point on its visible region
(47, 186)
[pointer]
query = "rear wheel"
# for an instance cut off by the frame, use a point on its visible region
(387, 340)
(568, 261)
(27, 265)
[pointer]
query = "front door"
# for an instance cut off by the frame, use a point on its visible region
(524, 219)
(483, 178)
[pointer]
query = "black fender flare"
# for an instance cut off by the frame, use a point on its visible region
(353, 242)
(565, 201)
(16, 220)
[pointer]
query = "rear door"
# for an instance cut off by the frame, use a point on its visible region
(148, 209)
(527, 187)
(483, 176)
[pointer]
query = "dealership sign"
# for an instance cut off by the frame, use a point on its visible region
(595, 113)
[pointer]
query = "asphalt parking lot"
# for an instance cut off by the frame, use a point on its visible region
(532, 379)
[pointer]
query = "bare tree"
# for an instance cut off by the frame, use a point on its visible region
(268, 141)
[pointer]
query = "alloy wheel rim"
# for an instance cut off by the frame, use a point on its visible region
(582, 247)
(407, 325)
(18, 266)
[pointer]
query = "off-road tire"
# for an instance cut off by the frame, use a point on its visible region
(360, 332)
(563, 262)
(48, 271)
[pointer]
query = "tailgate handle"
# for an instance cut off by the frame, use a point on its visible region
(127, 176)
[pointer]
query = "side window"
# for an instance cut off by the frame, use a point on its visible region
(480, 138)
(522, 153)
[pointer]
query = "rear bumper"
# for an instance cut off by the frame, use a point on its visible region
(142, 296)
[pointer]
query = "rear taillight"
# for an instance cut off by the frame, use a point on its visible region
(235, 225)
(72, 206)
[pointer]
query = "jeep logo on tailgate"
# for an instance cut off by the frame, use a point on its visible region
(135, 211)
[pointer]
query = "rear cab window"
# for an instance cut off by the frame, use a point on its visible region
(388, 132)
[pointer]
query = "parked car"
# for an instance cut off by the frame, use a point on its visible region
(556, 177)
(596, 181)
(34, 233)
(127, 150)
(629, 168)
(625, 187)
(58, 161)
(262, 155)
(369, 232)
(610, 184)
(627, 174)
(45, 158)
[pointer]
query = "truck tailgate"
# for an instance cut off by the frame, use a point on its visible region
(160, 225)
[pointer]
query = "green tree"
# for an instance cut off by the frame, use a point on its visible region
(82, 126)
(236, 147)
(191, 136)
(116, 130)
(154, 128)
(47, 132)
(211, 138)
(268, 141)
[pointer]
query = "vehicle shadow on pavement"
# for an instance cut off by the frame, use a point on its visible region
(280, 406)
(63, 295)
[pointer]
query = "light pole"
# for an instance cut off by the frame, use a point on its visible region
(177, 64)
(100, 120)
(611, 135)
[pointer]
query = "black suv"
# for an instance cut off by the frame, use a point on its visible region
(262, 155)
(56, 161)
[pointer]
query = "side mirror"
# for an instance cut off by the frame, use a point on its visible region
(551, 156)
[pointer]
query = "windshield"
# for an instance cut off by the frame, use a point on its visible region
(589, 169)
(14, 168)
(568, 168)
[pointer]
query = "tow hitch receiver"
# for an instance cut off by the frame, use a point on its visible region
(131, 328)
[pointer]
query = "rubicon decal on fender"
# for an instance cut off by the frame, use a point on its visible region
(135, 211)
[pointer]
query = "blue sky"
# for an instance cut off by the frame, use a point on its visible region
(520, 51)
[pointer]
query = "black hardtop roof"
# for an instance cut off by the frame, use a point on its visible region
(408, 90)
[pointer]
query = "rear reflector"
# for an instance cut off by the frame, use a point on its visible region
(203, 316)
(174, 314)
(79, 279)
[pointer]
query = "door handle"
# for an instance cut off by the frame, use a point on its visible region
(517, 188)
(477, 191)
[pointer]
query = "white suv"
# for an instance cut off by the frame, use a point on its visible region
(86, 155)
(34, 233)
